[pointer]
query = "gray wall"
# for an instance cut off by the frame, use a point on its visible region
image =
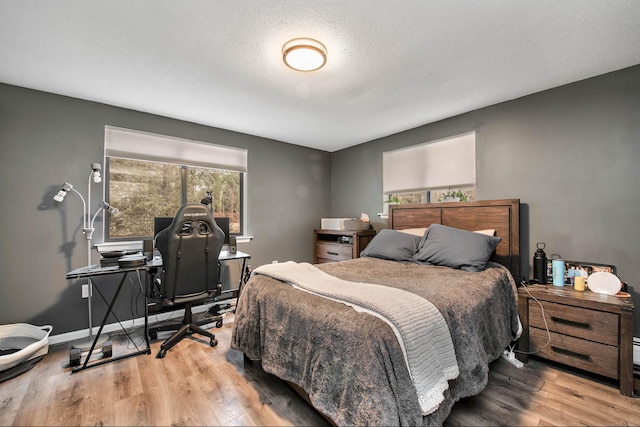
(570, 154)
(48, 139)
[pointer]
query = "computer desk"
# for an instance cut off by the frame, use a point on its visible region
(226, 256)
(151, 267)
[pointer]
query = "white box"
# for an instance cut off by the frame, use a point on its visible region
(333, 223)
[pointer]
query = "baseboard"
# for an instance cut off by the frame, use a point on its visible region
(114, 327)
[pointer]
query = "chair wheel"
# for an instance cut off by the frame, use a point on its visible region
(153, 334)
(162, 353)
(219, 324)
(213, 342)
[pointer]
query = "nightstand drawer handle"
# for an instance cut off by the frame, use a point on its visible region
(333, 253)
(571, 353)
(571, 323)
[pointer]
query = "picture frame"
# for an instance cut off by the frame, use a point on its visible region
(575, 268)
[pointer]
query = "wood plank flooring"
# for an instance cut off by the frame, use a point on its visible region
(199, 385)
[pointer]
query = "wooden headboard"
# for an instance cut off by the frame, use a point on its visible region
(500, 215)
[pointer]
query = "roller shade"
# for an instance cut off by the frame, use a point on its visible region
(449, 162)
(132, 144)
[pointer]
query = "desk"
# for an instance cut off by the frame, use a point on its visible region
(150, 268)
(226, 256)
(92, 271)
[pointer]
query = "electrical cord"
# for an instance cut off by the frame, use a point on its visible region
(136, 291)
(544, 319)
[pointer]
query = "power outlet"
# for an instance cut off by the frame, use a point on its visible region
(510, 357)
(85, 291)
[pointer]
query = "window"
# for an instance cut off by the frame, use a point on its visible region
(153, 175)
(427, 172)
(410, 197)
(432, 196)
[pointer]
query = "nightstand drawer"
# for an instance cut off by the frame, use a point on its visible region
(591, 356)
(333, 251)
(339, 245)
(578, 322)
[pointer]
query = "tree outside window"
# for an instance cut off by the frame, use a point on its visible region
(142, 190)
(430, 196)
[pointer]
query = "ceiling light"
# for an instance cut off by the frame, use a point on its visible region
(304, 54)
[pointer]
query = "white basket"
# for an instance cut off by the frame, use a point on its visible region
(30, 342)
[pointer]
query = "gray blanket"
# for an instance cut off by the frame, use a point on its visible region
(421, 330)
(350, 363)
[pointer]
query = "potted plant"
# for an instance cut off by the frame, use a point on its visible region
(453, 196)
(392, 200)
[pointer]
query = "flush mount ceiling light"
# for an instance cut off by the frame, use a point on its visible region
(304, 54)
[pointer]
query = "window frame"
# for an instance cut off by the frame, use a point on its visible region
(188, 154)
(405, 170)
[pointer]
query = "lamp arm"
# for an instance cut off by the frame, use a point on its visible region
(88, 228)
(95, 216)
(84, 208)
(104, 207)
(89, 202)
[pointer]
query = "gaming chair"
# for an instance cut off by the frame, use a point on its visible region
(190, 247)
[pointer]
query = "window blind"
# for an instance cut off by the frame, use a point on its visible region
(132, 144)
(449, 162)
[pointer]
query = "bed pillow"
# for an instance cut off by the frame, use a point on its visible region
(393, 245)
(488, 232)
(415, 231)
(456, 248)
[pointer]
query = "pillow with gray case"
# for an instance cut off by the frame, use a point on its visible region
(393, 245)
(455, 248)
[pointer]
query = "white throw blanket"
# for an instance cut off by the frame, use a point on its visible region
(421, 330)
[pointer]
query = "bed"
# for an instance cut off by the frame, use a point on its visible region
(311, 326)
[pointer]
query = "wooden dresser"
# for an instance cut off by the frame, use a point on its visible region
(339, 245)
(589, 331)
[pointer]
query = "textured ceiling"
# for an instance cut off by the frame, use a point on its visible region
(392, 65)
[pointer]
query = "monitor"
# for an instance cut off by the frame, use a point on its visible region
(223, 223)
(162, 222)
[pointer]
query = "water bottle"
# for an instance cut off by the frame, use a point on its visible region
(540, 264)
(558, 272)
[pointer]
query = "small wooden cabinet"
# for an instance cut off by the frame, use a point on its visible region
(589, 331)
(339, 245)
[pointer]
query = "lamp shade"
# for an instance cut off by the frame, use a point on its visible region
(304, 54)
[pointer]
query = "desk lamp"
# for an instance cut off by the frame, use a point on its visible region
(87, 230)
(208, 200)
(104, 207)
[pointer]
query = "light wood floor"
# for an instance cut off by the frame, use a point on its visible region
(199, 385)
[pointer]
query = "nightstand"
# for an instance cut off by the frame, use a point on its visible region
(339, 245)
(589, 331)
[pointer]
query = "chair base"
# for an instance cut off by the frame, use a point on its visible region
(187, 328)
(206, 319)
